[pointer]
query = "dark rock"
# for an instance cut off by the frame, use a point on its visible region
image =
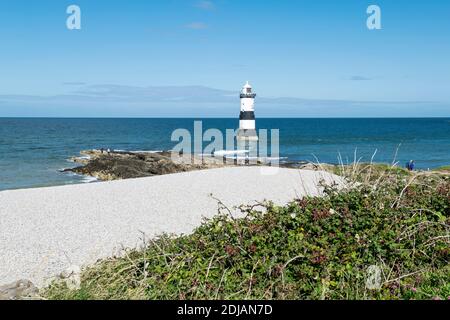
(126, 165)
(19, 290)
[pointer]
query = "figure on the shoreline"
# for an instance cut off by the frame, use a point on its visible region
(410, 165)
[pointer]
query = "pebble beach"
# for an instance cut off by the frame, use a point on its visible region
(44, 231)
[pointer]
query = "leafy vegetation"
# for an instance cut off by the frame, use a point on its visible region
(444, 168)
(313, 248)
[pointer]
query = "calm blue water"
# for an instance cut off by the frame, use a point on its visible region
(32, 151)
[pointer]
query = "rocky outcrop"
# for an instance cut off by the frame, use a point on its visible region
(19, 290)
(115, 165)
(125, 165)
(71, 277)
(26, 290)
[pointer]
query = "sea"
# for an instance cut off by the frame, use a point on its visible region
(33, 151)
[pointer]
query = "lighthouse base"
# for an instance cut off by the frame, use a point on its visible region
(247, 135)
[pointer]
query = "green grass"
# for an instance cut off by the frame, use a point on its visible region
(444, 168)
(314, 248)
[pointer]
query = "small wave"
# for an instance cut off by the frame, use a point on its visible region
(274, 158)
(72, 159)
(262, 159)
(89, 179)
(230, 152)
(68, 173)
(84, 178)
(243, 158)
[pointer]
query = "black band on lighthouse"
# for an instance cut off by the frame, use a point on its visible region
(247, 115)
(248, 95)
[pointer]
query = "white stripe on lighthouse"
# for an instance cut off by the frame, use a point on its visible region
(247, 124)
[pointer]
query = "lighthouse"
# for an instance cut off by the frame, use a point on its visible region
(247, 123)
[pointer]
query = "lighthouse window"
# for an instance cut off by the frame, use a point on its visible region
(249, 90)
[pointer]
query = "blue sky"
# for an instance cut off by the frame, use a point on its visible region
(182, 58)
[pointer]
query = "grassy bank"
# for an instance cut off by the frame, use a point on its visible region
(391, 227)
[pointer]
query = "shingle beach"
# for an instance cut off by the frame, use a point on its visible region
(43, 231)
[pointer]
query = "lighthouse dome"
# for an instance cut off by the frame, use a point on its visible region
(247, 88)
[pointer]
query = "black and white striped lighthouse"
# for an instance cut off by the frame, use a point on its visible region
(247, 123)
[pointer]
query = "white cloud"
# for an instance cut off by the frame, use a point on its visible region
(360, 78)
(197, 26)
(205, 5)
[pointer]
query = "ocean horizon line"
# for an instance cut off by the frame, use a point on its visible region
(229, 117)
